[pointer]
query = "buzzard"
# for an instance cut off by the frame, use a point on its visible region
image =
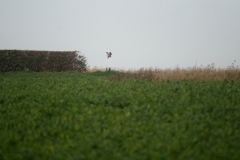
(109, 54)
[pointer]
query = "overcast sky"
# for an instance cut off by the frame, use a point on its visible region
(139, 33)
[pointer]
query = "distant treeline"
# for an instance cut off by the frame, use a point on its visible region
(38, 61)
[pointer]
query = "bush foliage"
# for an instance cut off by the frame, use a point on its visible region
(49, 61)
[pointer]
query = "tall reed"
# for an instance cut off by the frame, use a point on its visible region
(208, 73)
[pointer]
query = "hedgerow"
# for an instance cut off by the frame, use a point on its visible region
(47, 61)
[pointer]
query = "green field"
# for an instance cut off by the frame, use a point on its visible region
(71, 115)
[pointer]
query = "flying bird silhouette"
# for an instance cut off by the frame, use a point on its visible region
(109, 54)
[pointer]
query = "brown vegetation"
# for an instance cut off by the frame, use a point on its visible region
(208, 73)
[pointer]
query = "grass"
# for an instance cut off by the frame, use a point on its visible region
(209, 73)
(71, 115)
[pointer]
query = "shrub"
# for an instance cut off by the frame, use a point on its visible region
(20, 60)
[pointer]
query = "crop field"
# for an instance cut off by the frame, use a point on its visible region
(111, 115)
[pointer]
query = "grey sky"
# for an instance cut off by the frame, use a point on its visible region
(139, 33)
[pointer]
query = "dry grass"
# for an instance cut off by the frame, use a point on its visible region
(209, 73)
(193, 74)
(94, 69)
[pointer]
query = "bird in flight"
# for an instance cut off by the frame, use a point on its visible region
(109, 54)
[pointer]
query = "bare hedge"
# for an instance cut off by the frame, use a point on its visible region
(38, 61)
